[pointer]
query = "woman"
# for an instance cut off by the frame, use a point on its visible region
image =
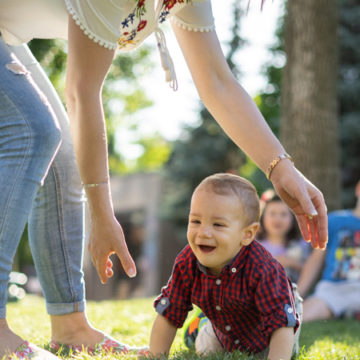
(37, 169)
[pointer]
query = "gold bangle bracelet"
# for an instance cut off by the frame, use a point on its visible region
(87, 186)
(275, 162)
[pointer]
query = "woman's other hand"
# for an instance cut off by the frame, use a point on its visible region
(107, 238)
(305, 200)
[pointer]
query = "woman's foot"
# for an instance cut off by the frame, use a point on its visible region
(13, 346)
(9, 341)
(73, 333)
(28, 351)
(74, 329)
(107, 345)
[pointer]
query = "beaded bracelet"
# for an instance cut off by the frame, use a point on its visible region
(275, 162)
(87, 186)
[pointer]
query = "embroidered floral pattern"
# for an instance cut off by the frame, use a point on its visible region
(136, 17)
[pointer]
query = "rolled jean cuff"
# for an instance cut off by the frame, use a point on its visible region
(65, 308)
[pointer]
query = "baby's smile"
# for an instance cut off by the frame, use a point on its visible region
(207, 248)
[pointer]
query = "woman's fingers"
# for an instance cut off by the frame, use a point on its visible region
(100, 265)
(125, 258)
(311, 222)
(101, 250)
(322, 220)
(303, 227)
(304, 198)
(109, 270)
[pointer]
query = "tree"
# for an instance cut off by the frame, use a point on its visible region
(348, 95)
(309, 123)
(348, 90)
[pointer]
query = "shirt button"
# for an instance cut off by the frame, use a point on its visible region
(218, 308)
(218, 282)
(233, 270)
(227, 327)
(163, 302)
(290, 310)
(237, 341)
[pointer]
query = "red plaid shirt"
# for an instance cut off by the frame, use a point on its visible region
(250, 299)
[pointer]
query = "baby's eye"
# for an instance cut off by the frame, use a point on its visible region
(195, 221)
(218, 224)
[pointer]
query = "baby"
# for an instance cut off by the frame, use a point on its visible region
(240, 287)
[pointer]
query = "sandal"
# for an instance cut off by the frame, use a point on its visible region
(28, 351)
(108, 345)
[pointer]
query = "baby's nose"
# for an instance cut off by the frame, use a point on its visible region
(205, 231)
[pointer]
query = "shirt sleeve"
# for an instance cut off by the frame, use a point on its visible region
(274, 299)
(174, 302)
(196, 16)
(100, 20)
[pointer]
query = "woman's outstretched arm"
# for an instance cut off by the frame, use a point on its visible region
(87, 66)
(240, 118)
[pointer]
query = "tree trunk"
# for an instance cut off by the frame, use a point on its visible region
(309, 122)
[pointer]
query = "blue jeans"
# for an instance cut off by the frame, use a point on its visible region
(40, 183)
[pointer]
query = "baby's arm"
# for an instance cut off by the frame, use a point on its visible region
(162, 336)
(281, 344)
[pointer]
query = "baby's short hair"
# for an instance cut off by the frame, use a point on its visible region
(227, 184)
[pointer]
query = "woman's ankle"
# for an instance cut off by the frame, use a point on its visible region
(74, 329)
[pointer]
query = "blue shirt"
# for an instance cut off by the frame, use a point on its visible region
(343, 251)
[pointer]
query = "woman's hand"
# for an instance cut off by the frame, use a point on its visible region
(106, 238)
(305, 200)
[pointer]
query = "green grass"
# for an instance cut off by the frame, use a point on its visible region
(130, 321)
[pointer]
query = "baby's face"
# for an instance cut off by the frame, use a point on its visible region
(215, 228)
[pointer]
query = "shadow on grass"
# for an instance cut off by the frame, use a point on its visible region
(344, 331)
(191, 355)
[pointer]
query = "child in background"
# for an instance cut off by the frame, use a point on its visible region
(243, 291)
(280, 235)
(338, 291)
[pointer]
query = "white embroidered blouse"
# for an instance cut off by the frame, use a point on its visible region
(114, 24)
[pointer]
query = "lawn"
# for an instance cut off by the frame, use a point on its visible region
(131, 322)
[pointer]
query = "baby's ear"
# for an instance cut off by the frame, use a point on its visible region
(248, 233)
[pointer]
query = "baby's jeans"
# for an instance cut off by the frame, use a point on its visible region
(207, 342)
(40, 183)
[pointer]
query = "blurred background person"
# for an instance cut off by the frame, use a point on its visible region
(338, 291)
(280, 235)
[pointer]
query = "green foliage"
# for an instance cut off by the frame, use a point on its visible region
(322, 340)
(52, 56)
(155, 152)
